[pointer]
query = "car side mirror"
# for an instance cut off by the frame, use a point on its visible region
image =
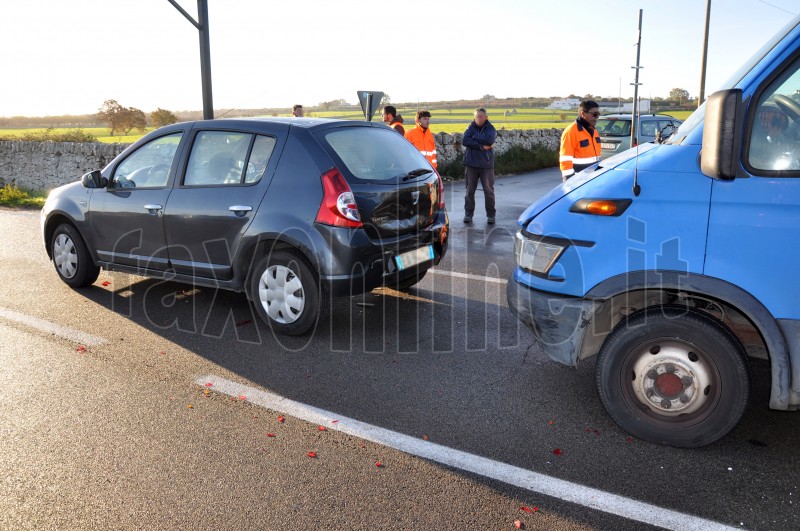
(94, 179)
(722, 132)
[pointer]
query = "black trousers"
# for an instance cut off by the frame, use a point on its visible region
(486, 178)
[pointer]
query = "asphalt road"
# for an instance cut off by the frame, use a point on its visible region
(125, 434)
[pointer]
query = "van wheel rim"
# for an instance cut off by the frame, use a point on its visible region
(65, 256)
(281, 294)
(673, 379)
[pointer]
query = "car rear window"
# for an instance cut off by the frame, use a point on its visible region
(613, 127)
(374, 154)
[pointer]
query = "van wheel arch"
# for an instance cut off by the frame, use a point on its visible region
(621, 287)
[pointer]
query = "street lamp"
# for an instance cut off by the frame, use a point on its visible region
(702, 95)
(205, 52)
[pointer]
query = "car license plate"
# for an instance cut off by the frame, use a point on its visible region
(606, 145)
(415, 257)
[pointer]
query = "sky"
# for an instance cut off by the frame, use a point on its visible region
(68, 56)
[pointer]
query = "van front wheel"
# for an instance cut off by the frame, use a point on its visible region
(673, 376)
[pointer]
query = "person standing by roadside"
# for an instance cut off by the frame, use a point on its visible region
(393, 120)
(422, 137)
(297, 111)
(478, 140)
(580, 143)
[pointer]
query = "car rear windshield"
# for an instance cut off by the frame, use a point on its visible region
(375, 154)
(613, 127)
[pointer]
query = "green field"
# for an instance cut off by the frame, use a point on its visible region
(443, 120)
(101, 133)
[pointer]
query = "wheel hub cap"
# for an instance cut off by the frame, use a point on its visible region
(65, 256)
(671, 378)
(281, 294)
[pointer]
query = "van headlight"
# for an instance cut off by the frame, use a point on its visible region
(536, 255)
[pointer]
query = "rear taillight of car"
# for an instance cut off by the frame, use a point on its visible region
(440, 204)
(338, 206)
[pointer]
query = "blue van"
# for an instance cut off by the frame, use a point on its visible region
(668, 259)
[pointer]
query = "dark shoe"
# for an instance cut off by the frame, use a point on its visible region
(490, 221)
(467, 219)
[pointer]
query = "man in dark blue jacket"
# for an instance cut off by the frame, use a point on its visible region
(479, 162)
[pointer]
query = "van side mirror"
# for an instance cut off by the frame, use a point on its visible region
(94, 179)
(722, 132)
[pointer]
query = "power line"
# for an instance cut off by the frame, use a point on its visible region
(777, 7)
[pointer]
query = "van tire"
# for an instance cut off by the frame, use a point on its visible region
(286, 293)
(71, 258)
(673, 376)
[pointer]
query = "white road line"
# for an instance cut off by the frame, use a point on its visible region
(469, 276)
(533, 481)
(52, 328)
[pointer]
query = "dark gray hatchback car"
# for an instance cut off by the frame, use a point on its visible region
(290, 211)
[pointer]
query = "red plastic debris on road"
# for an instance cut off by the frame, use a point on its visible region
(80, 348)
(281, 419)
(312, 455)
(557, 451)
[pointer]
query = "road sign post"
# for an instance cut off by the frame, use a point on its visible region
(370, 100)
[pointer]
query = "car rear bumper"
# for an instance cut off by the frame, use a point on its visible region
(354, 263)
(559, 323)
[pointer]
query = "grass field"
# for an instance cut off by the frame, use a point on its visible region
(101, 133)
(442, 121)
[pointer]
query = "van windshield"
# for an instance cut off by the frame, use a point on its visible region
(697, 116)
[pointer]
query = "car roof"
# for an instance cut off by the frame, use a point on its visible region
(306, 123)
(641, 116)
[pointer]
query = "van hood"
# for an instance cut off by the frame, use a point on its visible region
(579, 180)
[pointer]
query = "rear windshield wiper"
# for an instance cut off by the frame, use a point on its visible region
(416, 173)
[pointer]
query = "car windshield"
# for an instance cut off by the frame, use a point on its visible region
(374, 154)
(613, 127)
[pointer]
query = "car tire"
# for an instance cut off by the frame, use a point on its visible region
(71, 258)
(286, 293)
(673, 376)
(404, 284)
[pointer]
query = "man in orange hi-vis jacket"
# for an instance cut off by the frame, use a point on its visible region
(422, 138)
(580, 143)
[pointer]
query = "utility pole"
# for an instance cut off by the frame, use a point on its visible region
(635, 120)
(702, 95)
(205, 52)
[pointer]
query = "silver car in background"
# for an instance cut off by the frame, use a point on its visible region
(615, 130)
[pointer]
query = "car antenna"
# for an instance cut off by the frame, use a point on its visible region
(635, 118)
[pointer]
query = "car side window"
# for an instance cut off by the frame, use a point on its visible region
(150, 165)
(259, 158)
(774, 128)
(218, 158)
(649, 128)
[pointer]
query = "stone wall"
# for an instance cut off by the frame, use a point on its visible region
(43, 166)
(448, 145)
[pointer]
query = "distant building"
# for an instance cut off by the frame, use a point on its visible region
(627, 107)
(565, 105)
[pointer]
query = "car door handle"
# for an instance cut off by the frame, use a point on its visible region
(239, 210)
(154, 209)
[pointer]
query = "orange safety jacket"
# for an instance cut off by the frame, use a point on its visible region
(423, 140)
(398, 126)
(579, 149)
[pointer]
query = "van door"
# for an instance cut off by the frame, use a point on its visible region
(222, 186)
(754, 223)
